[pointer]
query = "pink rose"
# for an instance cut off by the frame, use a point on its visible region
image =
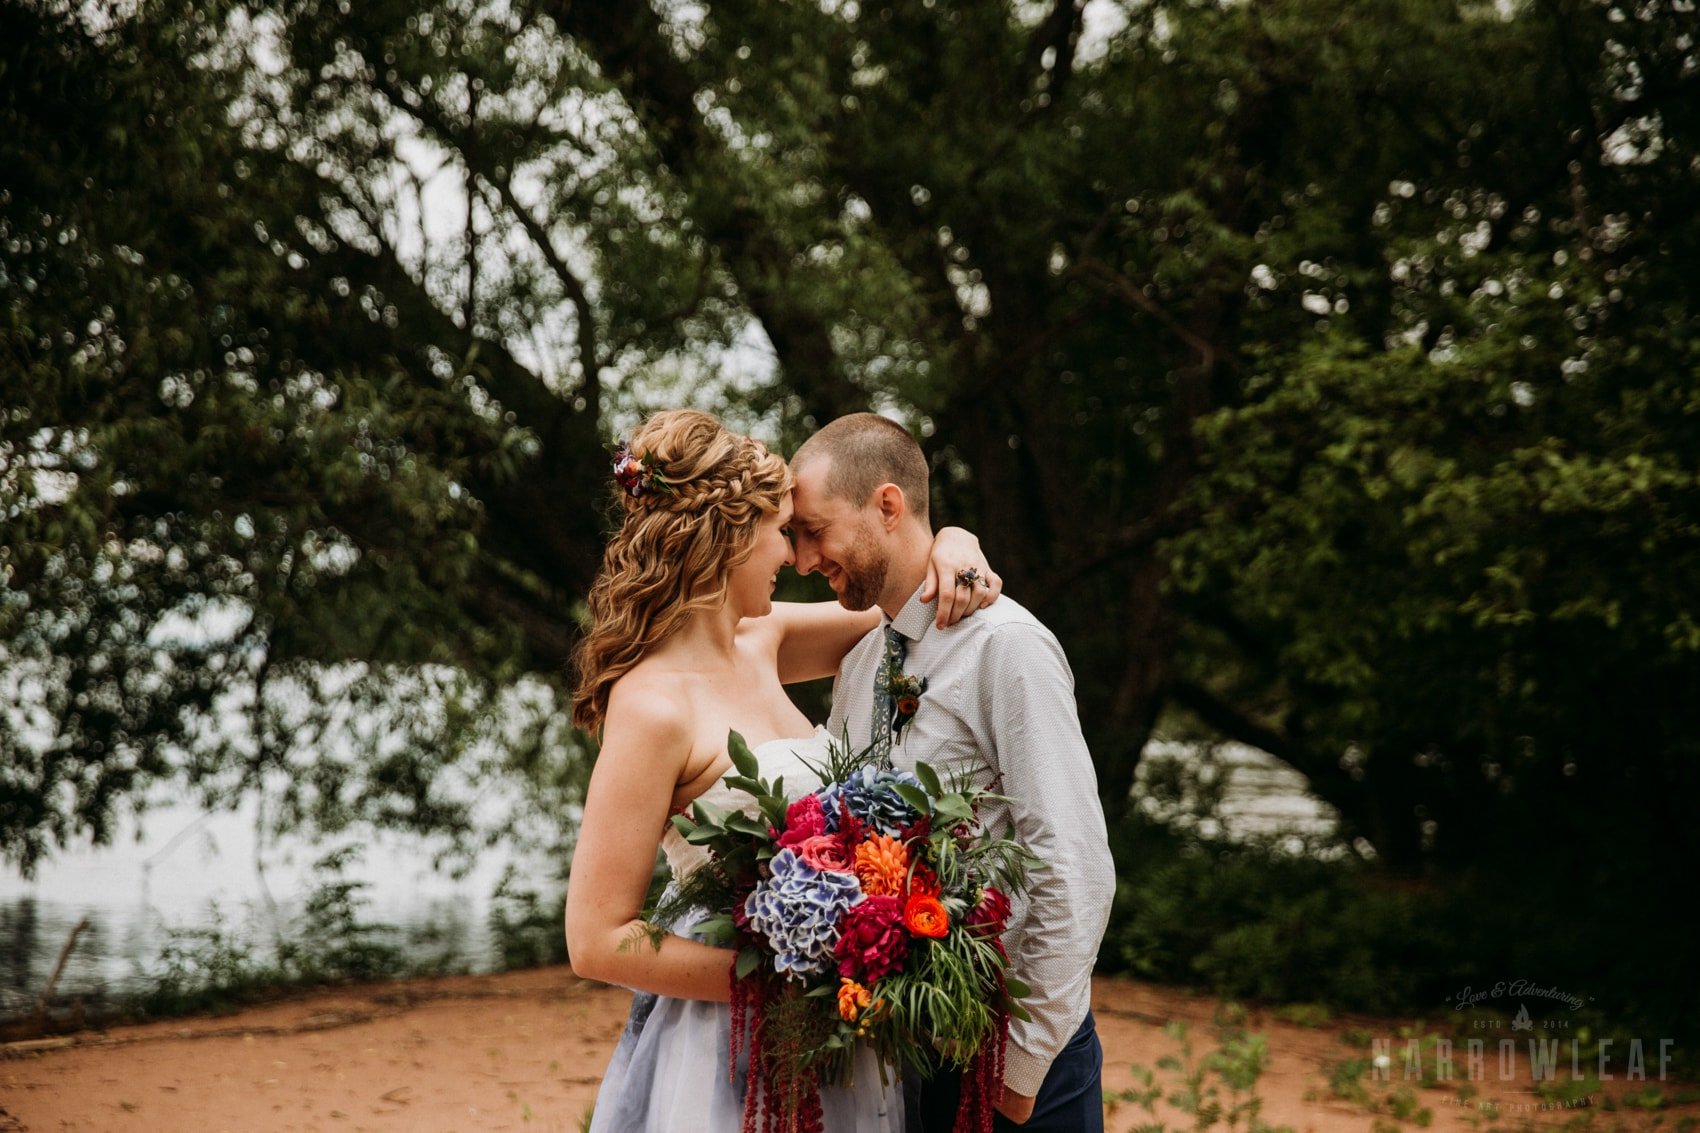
(873, 942)
(825, 851)
(804, 819)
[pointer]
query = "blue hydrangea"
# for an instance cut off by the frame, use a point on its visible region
(799, 909)
(872, 797)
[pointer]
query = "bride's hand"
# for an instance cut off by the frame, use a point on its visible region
(969, 581)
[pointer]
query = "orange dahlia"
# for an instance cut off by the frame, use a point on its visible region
(882, 864)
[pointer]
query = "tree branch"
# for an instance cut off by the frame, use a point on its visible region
(1059, 32)
(1092, 268)
(631, 50)
(428, 115)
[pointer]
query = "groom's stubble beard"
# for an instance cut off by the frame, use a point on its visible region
(865, 569)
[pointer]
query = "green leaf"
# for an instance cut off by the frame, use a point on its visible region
(719, 929)
(744, 824)
(748, 961)
(914, 796)
(742, 758)
(952, 809)
(929, 778)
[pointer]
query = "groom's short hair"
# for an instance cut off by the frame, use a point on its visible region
(867, 450)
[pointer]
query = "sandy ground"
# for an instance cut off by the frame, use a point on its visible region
(525, 1050)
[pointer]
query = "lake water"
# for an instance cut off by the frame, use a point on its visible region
(184, 869)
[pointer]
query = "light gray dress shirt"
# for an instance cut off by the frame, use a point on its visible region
(1000, 701)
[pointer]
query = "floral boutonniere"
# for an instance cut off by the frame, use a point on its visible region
(905, 692)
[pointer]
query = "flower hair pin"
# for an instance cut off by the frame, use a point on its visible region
(636, 475)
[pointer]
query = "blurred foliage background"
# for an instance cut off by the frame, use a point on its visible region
(1323, 372)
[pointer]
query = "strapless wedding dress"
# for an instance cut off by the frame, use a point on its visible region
(670, 1071)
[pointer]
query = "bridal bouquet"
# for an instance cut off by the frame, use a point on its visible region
(870, 910)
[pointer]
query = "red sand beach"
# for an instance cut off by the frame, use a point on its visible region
(525, 1050)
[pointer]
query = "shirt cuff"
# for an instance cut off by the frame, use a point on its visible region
(1023, 1072)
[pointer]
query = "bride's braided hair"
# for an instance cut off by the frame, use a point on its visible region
(680, 537)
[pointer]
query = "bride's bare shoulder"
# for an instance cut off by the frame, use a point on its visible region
(648, 709)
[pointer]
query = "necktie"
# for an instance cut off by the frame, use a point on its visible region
(890, 667)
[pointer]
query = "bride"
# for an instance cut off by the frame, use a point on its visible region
(686, 644)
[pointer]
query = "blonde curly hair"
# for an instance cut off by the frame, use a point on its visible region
(677, 544)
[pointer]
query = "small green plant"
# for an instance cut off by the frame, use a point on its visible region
(204, 969)
(526, 928)
(1649, 1097)
(1349, 1078)
(1567, 1091)
(335, 942)
(220, 968)
(1346, 1080)
(1403, 1105)
(1217, 1090)
(1305, 1014)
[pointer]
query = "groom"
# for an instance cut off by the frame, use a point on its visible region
(998, 694)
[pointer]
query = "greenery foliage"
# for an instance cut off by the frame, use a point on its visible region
(1216, 1090)
(226, 964)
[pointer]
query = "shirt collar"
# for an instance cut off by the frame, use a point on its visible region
(915, 616)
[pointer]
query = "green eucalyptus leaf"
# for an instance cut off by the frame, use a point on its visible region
(742, 757)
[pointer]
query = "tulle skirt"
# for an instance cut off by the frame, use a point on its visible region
(670, 1074)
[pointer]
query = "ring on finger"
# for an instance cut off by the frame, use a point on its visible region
(968, 576)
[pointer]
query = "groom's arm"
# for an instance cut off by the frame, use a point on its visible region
(1029, 710)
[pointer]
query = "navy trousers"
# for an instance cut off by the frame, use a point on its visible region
(1070, 1101)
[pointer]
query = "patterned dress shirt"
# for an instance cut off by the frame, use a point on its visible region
(1000, 702)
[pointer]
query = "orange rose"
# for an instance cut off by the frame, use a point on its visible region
(926, 916)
